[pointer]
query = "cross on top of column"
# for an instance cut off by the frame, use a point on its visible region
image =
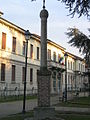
(43, 4)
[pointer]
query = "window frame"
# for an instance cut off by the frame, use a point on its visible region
(24, 48)
(14, 44)
(31, 51)
(3, 40)
(23, 74)
(31, 75)
(13, 73)
(38, 53)
(2, 72)
(54, 56)
(49, 54)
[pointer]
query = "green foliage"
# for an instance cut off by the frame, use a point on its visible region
(81, 7)
(79, 40)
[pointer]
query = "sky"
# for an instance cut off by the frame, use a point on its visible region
(25, 14)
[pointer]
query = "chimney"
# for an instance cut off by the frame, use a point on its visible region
(1, 13)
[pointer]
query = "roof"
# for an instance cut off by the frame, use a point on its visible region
(1, 13)
(74, 56)
(11, 25)
(50, 41)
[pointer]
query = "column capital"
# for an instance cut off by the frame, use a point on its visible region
(44, 13)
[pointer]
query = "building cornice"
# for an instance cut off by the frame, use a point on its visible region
(49, 41)
(1, 13)
(12, 25)
(75, 57)
(37, 37)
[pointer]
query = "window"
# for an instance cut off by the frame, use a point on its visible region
(68, 64)
(31, 51)
(83, 68)
(14, 44)
(79, 66)
(24, 47)
(31, 75)
(62, 81)
(59, 80)
(69, 79)
(13, 73)
(49, 54)
(37, 71)
(2, 72)
(54, 56)
(59, 56)
(3, 40)
(23, 74)
(54, 80)
(71, 65)
(38, 53)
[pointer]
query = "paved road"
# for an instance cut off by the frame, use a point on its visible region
(16, 107)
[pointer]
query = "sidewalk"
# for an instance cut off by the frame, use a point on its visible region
(73, 109)
(15, 107)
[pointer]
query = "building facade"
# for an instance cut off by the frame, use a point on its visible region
(12, 62)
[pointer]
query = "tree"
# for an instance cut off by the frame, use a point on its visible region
(81, 7)
(80, 41)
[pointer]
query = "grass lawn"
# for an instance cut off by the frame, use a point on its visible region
(58, 115)
(77, 102)
(15, 98)
(74, 116)
(19, 116)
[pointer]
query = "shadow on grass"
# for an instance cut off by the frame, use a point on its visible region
(64, 116)
(72, 116)
(77, 102)
(19, 116)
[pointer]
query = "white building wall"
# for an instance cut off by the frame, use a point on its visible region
(17, 59)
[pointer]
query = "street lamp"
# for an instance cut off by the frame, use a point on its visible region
(27, 37)
(66, 55)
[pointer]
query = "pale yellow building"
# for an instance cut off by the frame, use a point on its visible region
(12, 61)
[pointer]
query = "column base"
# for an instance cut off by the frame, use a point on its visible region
(41, 113)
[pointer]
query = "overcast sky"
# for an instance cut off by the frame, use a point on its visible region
(25, 14)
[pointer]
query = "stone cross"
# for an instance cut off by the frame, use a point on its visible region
(43, 3)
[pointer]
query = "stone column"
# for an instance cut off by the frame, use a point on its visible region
(43, 76)
(43, 16)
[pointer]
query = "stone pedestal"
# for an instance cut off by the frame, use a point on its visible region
(41, 113)
(43, 110)
(43, 80)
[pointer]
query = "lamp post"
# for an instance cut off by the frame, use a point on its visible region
(88, 73)
(66, 55)
(27, 37)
